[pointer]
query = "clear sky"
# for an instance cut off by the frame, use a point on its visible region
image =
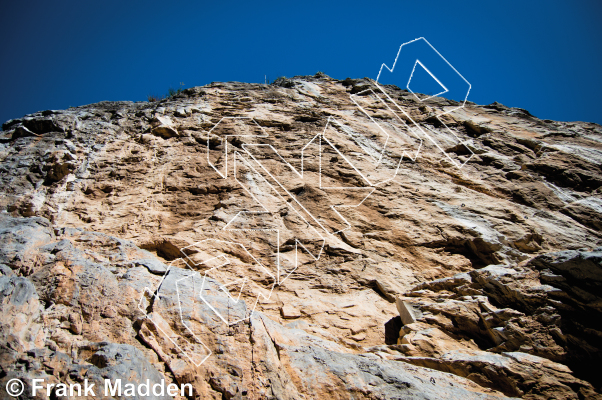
(544, 56)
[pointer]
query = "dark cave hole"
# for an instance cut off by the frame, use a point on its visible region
(392, 328)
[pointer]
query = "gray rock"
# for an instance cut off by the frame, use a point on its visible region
(5, 270)
(20, 328)
(511, 373)
(408, 314)
(585, 266)
(292, 352)
(19, 239)
(153, 265)
(116, 362)
(125, 363)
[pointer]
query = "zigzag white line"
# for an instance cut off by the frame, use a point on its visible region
(157, 296)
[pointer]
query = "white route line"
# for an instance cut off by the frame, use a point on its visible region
(437, 115)
(424, 132)
(297, 242)
(155, 294)
(278, 267)
(225, 139)
(223, 286)
(445, 90)
(439, 54)
(353, 99)
(240, 157)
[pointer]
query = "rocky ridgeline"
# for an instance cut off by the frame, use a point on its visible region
(477, 282)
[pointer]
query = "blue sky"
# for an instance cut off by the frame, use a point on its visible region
(544, 56)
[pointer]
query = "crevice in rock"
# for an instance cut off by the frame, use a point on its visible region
(466, 248)
(163, 248)
(392, 328)
(375, 286)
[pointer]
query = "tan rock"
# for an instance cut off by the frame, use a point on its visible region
(289, 312)
(102, 199)
(109, 312)
(510, 373)
(358, 329)
(408, 314)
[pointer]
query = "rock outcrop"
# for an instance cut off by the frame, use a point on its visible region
(303, 240)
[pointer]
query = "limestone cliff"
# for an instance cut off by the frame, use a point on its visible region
(303, 240)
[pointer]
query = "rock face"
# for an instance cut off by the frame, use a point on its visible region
(303, 240)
